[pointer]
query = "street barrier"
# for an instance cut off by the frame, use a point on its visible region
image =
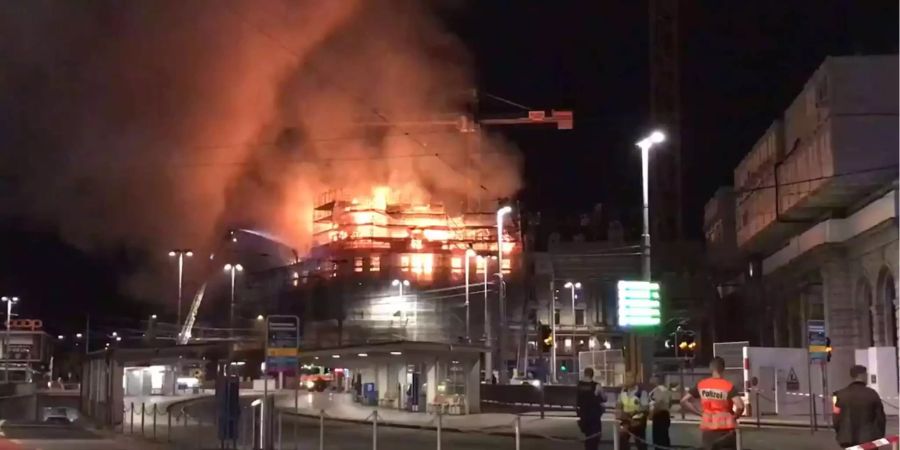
(877, 443)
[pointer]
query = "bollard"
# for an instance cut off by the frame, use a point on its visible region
(439, 425)
(321, 429)
(518, 426)
(169, 424)
(375, 430)
(757, 408)
(131, 420)
(280, 425)
(143, 411)
(253, 429)
(738, 443)
(154, 421)
(542, 401)
(616, 444)
(184, 415)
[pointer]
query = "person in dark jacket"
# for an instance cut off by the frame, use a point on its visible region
(589, 405)
(858, 412)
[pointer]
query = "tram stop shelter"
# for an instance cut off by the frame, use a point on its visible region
(413, 376)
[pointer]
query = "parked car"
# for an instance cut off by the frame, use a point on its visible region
(57, 415)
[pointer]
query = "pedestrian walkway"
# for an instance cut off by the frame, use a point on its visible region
(340, 407)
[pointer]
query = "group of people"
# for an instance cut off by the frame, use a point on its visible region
(714, 399)
(858, 413)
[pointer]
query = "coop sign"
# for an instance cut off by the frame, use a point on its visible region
(639, 303)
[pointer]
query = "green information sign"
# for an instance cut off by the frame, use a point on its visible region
(638, 303)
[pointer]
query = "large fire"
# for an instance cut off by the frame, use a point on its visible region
(383, 231)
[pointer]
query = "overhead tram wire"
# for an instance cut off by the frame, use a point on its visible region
(374, 110)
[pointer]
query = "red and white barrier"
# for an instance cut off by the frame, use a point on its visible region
(877, 443)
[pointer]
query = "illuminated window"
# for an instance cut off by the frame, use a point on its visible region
(415, 244)
(507, 265)
(404, 263)
(422, 263)
(375, 264)
(358, 264)
(456, 264)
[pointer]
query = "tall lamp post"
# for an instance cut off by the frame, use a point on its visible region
(469, 254)
(399, 285)
(233, 269)
(180, 253)
(501, 213)
(572, 287)
(645, 144)
(9, 304)
(484, 261)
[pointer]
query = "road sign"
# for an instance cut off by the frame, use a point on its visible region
(639, 303)
(282, 344)
(792, 384)
(818, 341)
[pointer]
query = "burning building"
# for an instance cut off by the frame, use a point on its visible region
(389, 266)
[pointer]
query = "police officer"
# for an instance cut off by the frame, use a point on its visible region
(632, 409)
(720, 406)
(590, 408)
(858, 412)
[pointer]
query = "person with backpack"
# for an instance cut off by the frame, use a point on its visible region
(590, 408)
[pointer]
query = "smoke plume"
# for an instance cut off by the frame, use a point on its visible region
(157, 124)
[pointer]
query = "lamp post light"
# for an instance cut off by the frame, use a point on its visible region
(572, 286)
(180, 253)
(469, 254)
(645, 145)
(502, 288)
(9, 304)
(232, 269)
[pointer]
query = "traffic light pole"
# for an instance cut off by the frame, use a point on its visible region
(553, 332)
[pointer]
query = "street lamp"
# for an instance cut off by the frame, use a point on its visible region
(502, 288)
(233, 269)
(260, 317)
(399, 284)
(9, 304)
(572, 286)
(469, 254)
(645, 145)
(152, 316)
(180, 253)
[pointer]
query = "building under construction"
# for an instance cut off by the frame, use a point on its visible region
(386, 267)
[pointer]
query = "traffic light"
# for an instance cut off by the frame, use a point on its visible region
(546, 338)
(828, 349)
(563, 367)
(686, 347)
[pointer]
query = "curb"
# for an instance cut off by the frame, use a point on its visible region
(428, 427)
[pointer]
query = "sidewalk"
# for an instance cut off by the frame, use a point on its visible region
(555, 427)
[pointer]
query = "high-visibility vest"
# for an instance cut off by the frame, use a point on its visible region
(631, 404)
(718, 409)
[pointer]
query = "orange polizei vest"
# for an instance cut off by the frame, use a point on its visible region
(718, 412)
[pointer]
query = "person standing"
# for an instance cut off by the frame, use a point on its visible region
(632, 413)
(590, 407)
(660, 402)
(720, 407)
(858, 413)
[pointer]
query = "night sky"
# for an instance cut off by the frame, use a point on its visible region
(742, 63)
